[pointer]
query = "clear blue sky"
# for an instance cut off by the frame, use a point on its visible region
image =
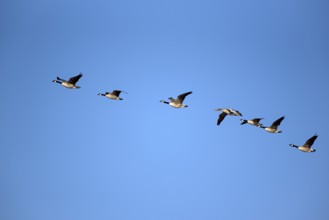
(72, 155)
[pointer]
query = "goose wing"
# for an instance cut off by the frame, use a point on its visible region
(277, 122)
(221, 118)
(310, 141)
(73, 80)
(116, 92)
(235, 112)
(257, 120)
(181, 97)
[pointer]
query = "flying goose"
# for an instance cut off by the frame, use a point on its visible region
(255, 122)
(112, 95)
(226, 111)
(307, 146)
(70, 84)
(177, 103)
(274, 127)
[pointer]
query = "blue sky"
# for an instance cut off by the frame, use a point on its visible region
(70, 154)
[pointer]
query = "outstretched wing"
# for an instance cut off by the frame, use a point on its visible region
(221, 118)
(257, 120)
(235, 112)
(181, 97)
(116, 92)
(310, 141)
(277, 122)
(73, 80)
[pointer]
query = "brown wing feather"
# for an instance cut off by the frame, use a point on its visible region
(181, 97)
(73, 80)
(257, 120)
(310, 141)
(221, 118)
(277, 122)
(116, 92)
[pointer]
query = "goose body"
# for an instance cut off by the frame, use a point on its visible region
(225, 112)
(306, 147)
(254, 122)
(178, 102)
(115, 94)
(70, 84)
(274, 128)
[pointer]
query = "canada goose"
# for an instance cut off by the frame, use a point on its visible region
(177, 103)
(70, 84)
(307, 146)
(255, 122)
(274, 127)
(112, 95)
(226, 111)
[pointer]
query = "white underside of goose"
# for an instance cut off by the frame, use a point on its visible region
(305, 149)
(272, 130)
(68, 85)
(175, 105)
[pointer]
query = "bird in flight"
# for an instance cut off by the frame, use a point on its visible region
(307, 145)
(274, 128)
(178, 102)
(115, 94)
(70, 84)
(254, 122)
(225, 112)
